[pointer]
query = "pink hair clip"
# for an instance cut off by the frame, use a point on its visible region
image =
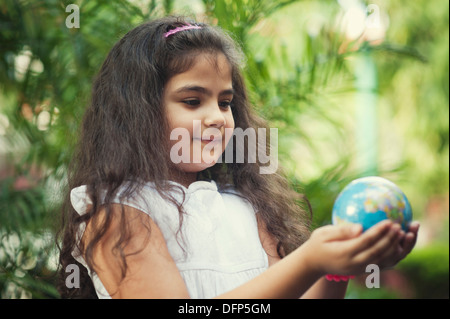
(183, 28)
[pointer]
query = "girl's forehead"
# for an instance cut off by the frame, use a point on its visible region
(215, 61)
(206, 67)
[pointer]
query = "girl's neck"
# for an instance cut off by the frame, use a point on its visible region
(184, 178)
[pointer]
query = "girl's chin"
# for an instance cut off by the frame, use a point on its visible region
(195, 167)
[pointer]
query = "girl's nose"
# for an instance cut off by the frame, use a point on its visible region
(214, 117)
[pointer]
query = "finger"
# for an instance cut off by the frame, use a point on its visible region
(414, 228)
(394, 252)
(370, 237)
(386, 239)
(339, 232)
(411, 238)
(408, 243)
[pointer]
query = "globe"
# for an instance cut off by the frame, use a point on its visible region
(369, 200)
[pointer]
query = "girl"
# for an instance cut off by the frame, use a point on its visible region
(141, 224)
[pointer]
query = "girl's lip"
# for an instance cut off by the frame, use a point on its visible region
(208, 140)
(211, 139)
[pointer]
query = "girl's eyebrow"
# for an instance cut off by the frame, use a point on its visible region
(202, 90)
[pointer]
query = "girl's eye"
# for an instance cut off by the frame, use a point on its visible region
(192, 102)
(225, 104)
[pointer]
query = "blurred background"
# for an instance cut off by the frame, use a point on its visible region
(355, 88)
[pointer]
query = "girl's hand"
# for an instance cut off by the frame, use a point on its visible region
(406, 244)
(345, 250)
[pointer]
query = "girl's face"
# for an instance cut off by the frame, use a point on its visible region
(197, 104)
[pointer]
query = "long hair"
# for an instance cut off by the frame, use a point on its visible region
(124, 137)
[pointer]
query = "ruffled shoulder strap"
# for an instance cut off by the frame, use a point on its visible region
(141, 200)
(80, 199)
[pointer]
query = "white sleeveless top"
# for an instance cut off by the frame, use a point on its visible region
(219, 234)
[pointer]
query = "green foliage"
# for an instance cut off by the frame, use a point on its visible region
(300, 76)
(20, 209)
(360, 291)
(421, 275)
(427, 270)
(26, 269)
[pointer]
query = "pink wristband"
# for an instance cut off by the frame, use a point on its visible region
(338, 278)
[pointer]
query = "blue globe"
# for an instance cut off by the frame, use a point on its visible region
(369, 200)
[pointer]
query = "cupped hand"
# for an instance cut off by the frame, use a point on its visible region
(346, 250)
(403, 248)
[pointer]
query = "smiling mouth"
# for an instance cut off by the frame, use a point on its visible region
(209, 140)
